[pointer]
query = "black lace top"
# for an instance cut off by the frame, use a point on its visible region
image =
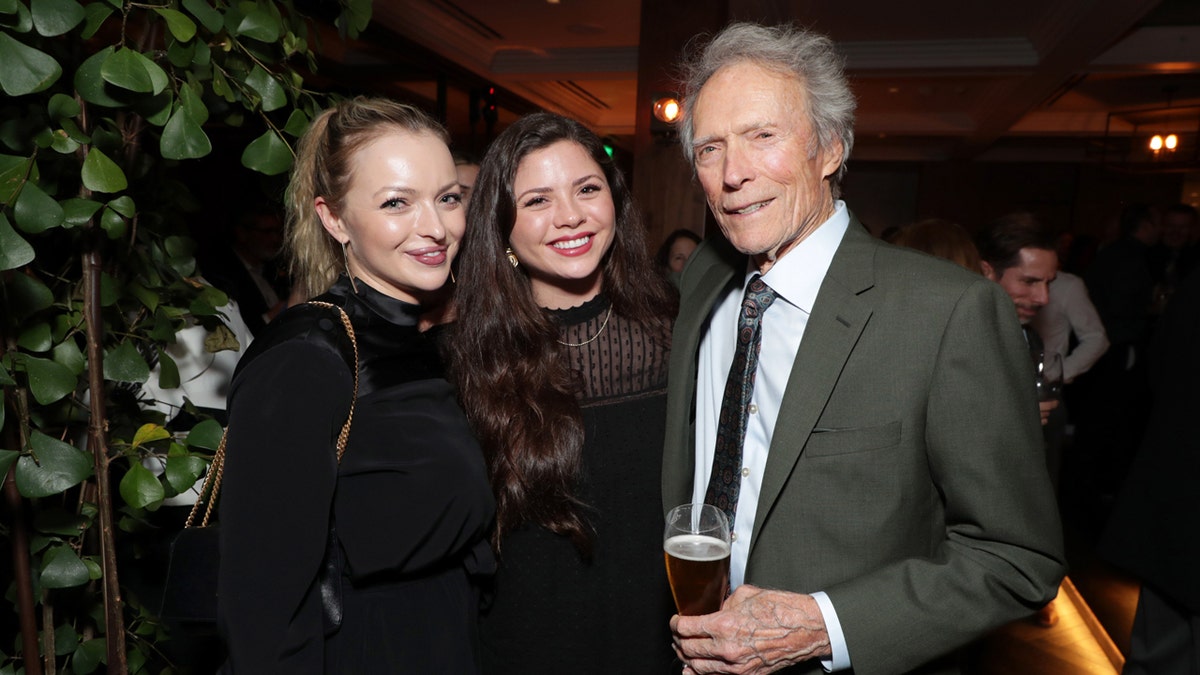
(552, 611)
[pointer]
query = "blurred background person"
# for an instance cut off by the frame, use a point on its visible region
(248, 269)
(941, 238)
(674, 253)
(392, 586)
(560, 351)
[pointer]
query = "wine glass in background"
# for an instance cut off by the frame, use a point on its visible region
(1049, 376)
(696, 548)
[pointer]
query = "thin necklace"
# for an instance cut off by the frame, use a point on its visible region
(593, 338)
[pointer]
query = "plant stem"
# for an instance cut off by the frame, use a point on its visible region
(97, 426)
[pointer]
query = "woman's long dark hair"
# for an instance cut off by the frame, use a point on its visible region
(513, 376)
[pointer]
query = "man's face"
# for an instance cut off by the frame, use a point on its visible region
(757, 158)
(1027, 282)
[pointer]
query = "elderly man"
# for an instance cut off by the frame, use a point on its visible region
(865, 415)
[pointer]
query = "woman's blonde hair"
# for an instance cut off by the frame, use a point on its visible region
(323, 169)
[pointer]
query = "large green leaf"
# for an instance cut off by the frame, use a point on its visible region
(61, 106)
(124, 205)
(125, 364)
(181, 27)
(58, 466)
(123, 68)
(260, 24)
(208, 16)
(24, 294)
(205, 435)
(148, 433)
(268, 88)
(268, 154)
(88, 656)
(36, 338)
(182, 137)
(48, 381)
(13, 171)
(112, 223)
(297, 123)
(14, 250)
(26, 70)
(190, 102)
(36, 211)
(96, 14)
(130, 69)
(55, 17)
(168, 372)
(183, 472)
(91, 85)
(61, 568)
(156, 109)
(77, 212)
(67, 355)
(101, 174)
(140, 488)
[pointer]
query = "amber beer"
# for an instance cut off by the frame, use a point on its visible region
(698, 570)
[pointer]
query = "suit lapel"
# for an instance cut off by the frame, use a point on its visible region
(840, 314)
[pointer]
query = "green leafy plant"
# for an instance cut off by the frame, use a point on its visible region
(104, 102)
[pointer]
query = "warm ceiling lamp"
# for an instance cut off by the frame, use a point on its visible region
(1171, 142)
(1156, 143)
(666, 109)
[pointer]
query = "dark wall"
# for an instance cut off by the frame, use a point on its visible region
(1079, 198)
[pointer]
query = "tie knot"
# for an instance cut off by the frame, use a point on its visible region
(759, 295)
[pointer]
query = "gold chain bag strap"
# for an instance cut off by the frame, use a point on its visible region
(190, 588)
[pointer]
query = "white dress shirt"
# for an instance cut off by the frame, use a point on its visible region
(1070, 310)
(796, 277)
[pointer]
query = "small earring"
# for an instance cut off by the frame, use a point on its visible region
(452, 279)
(512, 257)
(346, 262)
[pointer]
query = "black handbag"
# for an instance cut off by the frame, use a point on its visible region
(190, 590)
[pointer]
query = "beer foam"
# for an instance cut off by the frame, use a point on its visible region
(696, 547)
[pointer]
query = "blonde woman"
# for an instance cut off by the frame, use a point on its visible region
(374, 221)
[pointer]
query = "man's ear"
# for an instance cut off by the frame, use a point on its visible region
(333, 224)
(988, 270)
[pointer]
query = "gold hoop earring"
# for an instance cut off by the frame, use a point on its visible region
(512, 257)
(346, 263)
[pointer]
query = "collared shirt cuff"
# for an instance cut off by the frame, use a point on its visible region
(840, 660)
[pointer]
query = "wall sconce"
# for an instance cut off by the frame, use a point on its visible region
(1157, 142)
(666, 109)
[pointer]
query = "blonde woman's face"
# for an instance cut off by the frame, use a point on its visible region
(402, 217)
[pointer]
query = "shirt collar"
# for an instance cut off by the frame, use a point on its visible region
(796, 277)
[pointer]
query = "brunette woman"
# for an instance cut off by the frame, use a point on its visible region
(561, 355)
(374, 220)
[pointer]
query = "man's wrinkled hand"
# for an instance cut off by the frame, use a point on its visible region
(756, 632)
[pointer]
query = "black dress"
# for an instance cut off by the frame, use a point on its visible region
(410, 500)
(552, 611)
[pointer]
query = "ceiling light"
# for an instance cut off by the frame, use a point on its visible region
(1171, 142)
(1156, 143)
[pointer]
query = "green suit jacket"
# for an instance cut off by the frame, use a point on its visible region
(906, 475)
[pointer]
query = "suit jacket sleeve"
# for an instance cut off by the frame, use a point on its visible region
(996, 554)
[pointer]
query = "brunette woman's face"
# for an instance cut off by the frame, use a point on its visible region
(565, 223)
(402, 217)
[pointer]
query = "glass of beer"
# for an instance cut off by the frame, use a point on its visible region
(696, 548)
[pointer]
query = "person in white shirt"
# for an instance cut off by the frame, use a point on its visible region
(889, 493)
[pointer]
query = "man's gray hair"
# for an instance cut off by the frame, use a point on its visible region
(808, 56)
